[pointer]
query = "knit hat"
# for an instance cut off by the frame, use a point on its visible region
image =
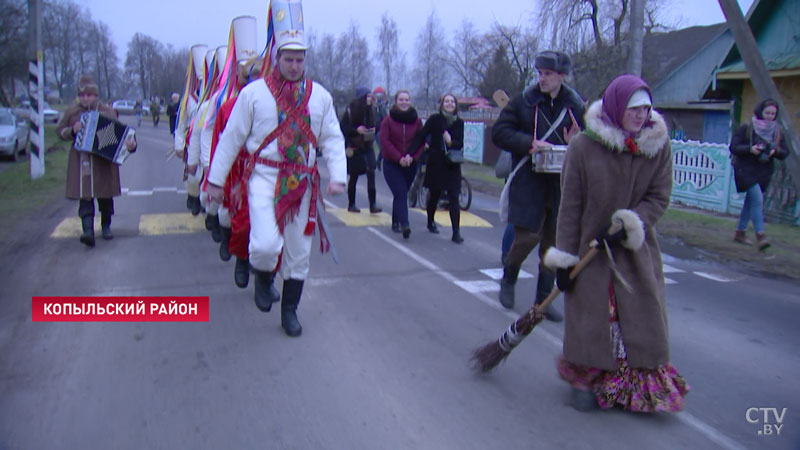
(553, 60)
(640, 98)
(86, 85)
(361, 91)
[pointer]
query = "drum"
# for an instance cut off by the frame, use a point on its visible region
(103, 136)
(549, 160)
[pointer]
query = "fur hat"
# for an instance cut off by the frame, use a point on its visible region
(86, 85)
(553, 60)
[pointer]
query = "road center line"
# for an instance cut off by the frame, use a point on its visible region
(703, 428)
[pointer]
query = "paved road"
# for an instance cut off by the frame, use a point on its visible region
(383, 360)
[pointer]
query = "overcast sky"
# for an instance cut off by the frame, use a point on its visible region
(183, 23)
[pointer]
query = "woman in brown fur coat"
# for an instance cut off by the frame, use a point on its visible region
(615, 185)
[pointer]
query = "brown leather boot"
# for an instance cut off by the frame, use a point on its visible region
(763, 243)
(741, 237)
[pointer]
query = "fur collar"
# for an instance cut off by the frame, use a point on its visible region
(649, 141)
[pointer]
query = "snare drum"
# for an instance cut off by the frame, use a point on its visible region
(549, 160)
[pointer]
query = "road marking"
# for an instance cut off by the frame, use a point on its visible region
(467, 219)
(670, 269)
(497, 274)
(71, 227)
(669, 281)
(146, 192)
(174, 223)
(139, 193)
(703, 428)
(362, 219)
(478, 286)
(715, 277)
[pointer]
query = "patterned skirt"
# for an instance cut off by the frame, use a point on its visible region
(638, 390)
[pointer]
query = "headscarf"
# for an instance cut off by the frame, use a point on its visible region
(766, 129)
(616, 96)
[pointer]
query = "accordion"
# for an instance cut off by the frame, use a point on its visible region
(103, 137)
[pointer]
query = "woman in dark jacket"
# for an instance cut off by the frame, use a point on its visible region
(755, 145)
(446, 131)
(358, 127)
(400, 162)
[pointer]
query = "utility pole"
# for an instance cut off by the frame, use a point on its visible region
(637, 37)
(36, 87)
(762, 82)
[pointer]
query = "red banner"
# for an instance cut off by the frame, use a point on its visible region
(120, 309)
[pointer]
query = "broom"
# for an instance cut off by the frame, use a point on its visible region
(486, 358)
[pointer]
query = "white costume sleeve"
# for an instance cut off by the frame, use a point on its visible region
(183, 126)
(193, 153)
(233, 137)
(330, 139)
(207, 133)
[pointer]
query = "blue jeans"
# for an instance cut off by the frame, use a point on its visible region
(753, 208)
(399, 179)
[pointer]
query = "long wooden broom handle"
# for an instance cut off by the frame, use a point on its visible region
(574, 273)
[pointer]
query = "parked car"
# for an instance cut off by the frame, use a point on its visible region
(14, 133)
(123, 107)
(25, 111)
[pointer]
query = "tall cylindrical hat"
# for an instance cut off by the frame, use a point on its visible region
(244, 38)
(222, 53)
(287, 16)
(199, 59)
(210, 61)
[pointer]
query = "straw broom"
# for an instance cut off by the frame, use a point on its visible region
(486, 358)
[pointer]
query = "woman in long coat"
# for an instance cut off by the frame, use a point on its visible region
(358, 127)
(90, 177)
(755, 146)
(446, 131)
(617, 174)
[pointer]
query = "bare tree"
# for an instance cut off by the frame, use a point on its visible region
(13, 36)
(354, 51)
(521, 45)
(430, 72)
(172, 72)
(107, 71)
(468, 56)
(143, 60)
(389, 49)
(59, 35)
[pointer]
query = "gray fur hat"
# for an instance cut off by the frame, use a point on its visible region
(553, 60)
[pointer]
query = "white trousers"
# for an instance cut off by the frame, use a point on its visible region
(266, 241)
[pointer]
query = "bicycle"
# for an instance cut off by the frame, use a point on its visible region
(418, 194)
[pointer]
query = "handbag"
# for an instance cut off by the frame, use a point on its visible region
(453, 156)
(504, 165)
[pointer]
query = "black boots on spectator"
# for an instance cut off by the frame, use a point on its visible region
(544, 285)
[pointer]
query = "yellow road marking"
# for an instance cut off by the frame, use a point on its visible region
(362, 219)
(175, 223)
(442, 217)
(71, 228)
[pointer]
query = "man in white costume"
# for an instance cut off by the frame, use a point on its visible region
(191, 91)
(282, 120)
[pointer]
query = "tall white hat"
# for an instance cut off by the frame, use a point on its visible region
(287, 16)
(244, 37)
(210, 61)
(199, 59)
(222, 53)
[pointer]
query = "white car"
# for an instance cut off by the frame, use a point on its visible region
(25, 111)
(13, 134)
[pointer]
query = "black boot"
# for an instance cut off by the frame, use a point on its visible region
(212, 224)
(292, 290)
(224, 252)
(241, 273)
(457, 236)
(510, 274)
(544, 285)
(87, 223)
(195, 205)
(105, 223)
(265, 293)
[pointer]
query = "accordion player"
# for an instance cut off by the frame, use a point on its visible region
(103, 136)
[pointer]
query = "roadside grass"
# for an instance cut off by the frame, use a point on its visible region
(714, 234)
(21, 195)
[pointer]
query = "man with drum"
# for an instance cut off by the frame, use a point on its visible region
(545, 114)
